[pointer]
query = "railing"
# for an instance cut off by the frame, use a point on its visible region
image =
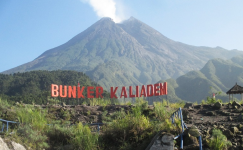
(98, 126)
(7, 121)
(178, 114)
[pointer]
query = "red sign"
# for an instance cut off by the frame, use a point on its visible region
(73, 91)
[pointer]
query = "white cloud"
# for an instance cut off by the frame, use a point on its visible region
(106, 8)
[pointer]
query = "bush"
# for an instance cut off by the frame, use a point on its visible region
(30, 137)
(35, 117)
(83, 139)
(218, 141)
(59, 136)
(160, 111)
(211, 101)
(127, 132)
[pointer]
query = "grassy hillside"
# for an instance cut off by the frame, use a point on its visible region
(217, 76)
(53, 127)
(35, 86)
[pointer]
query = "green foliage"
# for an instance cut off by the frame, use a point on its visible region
(37, 118)
(88, 112)
(123, 130)
(218, 141)
(83, 139)
(211, 101)
(160, 111)
(31, 137)
(203, 102)
(59, 136)
(132, 128)
(65, 114)
(34, 86)
(101, 101)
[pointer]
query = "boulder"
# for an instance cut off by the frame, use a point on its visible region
(187, 105)
(217, 105)
(17, 146)
(3, 145)
(240, 117)
(210, 113)
(234, 130)
(228, 133)
(190, 140)
(240, 127)
(192, 131)
(162, 141)
(230, 118)
(185, 114)
(236, 104)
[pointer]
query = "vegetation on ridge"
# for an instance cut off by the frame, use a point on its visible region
(125, 129)
(35, 86)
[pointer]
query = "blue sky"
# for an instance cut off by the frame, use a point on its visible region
(30, 27)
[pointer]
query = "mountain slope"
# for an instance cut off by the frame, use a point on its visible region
(131, 53)
(217, 75)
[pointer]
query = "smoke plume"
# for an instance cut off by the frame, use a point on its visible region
(105, 8)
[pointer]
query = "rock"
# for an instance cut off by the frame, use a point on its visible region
(210, 113)
(217, 105)
(187, 105)
(168, 139)
(230, 118)
(224, 113)
(190, 140)
(165, 141)
(3, 145)
(228, 134)
(185, 114)
(240, 117)
(240, 126)
(63, 104)
(190, 108)
(238, 110)
(234, 130)
(236, 104)
(17, 146)
(197, 106)
(193, 131)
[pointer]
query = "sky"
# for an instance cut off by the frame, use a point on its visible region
(30, 27)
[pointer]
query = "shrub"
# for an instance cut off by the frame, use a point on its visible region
(59, 136)
(30, 137)
(35, 117)
(160, 111)
(218, 141)
(211, 101)
(127, 131)
(83, 139)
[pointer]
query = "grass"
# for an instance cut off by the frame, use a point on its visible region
(83, 139)
(100, 102)
(218, 141)
(130, 129)
(211, 101)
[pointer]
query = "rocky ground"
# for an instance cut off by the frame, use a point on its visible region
(202, 118)
(226, 117)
